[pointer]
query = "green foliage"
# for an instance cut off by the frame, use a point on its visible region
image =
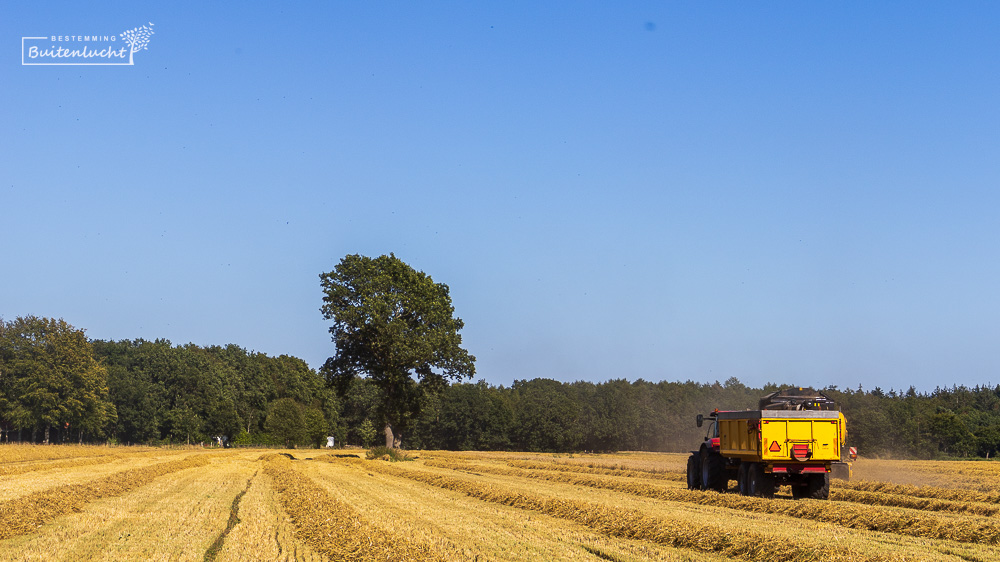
(285, 422)
(242, 439)
(186, 425)
(546, 416)
(265, 439)
(316, 427)
(466, 417)
(397, 327)
(367, 433)
(193, 393)
(49, 378)
(357, 404)
(223, 419)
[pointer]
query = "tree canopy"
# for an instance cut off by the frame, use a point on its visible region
(49, 378)
(396, 326)
(191, 393)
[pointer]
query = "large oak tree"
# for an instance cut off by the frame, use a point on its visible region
(396, 326)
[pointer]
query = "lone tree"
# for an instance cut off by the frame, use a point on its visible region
(397, 326)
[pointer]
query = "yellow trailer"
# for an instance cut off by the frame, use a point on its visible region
(763, 449)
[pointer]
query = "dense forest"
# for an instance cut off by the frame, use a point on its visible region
(546, 415)
(155, 392)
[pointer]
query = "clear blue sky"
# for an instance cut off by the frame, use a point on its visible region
(667, 190)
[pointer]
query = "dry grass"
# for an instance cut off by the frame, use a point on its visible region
(637, 461)
(874, 518)
(333, 527)
(96, 503)
(454, 523)
(25, 453)
(172, 517)
(73, 472)
(595, 468)
(778, 527)
(264, 530)
(981, 476)
(925, 498)
(633, 524)
(935, 492)
(25, 514)
(12, 469)
(896, 499)
(82, 456)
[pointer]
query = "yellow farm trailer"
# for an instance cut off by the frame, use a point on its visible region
(795, 438)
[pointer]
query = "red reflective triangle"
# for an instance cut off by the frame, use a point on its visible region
(775, 447)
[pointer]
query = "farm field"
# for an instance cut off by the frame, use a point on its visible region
(99, 503)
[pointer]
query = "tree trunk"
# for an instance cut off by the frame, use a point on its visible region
(389, 439)
(46, 435)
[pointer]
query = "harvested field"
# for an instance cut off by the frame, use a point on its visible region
(333, 527)
(93, 503)
(25, 514)
(871, 518)
(27, 453)
(595, 468)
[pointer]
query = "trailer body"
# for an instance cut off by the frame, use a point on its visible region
(781, 437)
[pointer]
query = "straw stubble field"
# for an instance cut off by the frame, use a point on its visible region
(98, 503)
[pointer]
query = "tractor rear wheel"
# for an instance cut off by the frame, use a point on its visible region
(713, 471)
(694, 472)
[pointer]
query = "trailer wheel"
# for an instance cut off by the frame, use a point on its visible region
(817, 487)
(743, 479)
(759, 482)
(713, 474)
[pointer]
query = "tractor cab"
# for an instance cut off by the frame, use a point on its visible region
(712, 432)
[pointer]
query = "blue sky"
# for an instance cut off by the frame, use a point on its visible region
(671, 191)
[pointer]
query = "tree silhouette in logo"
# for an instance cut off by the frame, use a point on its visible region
(137, 39)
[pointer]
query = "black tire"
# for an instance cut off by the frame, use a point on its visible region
(743, 479)
(759, 483)
(713, 473)
(694, 472)
(817, 487)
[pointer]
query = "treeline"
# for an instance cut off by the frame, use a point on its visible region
(189, 393)
(547, 415)
(950, 422)
(58, 386)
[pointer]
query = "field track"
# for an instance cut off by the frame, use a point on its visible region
(97, 503)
